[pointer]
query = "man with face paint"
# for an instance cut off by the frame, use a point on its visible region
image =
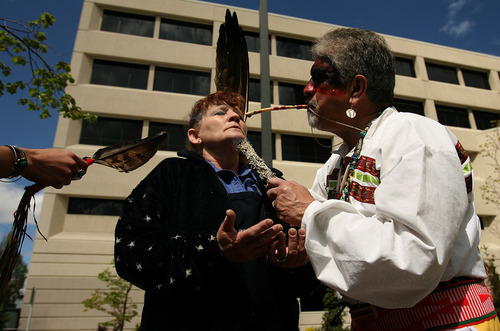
(390, 219)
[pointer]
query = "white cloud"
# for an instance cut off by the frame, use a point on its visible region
(460, 29)
(10, 196)
(454, 26)
(455, 7)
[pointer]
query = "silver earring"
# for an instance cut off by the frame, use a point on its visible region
(351, 113)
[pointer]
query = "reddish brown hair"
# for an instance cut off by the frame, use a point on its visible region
(232, 99)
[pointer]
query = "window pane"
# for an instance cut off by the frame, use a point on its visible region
(83, 206)
(110, 131)
(476, 79)
(298, 49)
(442, 73)
(453, 116)
(291, 94)
(254, 90)
(181, 81)
(176, 138)
(120, 74)
(404, 67)
(186, 32)
(486, 120)
(253, 42)
(255, 138)
(305, 149)
(409, 106)
(138, 25)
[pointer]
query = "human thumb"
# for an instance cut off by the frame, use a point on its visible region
(228, 223)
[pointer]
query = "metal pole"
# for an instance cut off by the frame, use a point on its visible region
(265, 93)
(32, 300)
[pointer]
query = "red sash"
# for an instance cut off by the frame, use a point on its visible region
(452, 304)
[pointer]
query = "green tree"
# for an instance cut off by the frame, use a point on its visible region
(490, 150)
(14, 288)
(25, 45)
(493, 280)
(332, 319)
(114, 301)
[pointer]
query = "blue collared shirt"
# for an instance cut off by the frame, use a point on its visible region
(233, 183)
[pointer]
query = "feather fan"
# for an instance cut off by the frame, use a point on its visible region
(232, 68)
(232, 72)
(129, 156)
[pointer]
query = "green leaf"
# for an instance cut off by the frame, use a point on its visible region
(47, 83)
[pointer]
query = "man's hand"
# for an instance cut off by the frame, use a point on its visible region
(290, 200)
(249, 244)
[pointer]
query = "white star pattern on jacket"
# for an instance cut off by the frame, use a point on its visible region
(151, 216)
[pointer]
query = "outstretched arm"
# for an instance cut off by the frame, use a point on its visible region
(47, 167)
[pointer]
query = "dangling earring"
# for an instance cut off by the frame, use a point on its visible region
(351, 113)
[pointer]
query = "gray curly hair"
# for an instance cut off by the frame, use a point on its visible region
(360, 52)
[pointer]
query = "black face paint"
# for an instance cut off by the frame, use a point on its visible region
(324, 71)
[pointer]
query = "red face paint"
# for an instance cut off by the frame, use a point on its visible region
(325, 78)
(326, 89)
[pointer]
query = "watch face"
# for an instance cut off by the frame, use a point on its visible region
(21, 164)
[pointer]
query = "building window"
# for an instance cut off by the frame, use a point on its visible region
(176, 138)
(110, 131)
(442, 73)
(253, 42)
(181, 81)
(186, 32)
(254, 90)
(486, 120)
(404, 67)
(255, 138)
(297, 49)
(120, 74)
(291, 94)
(409, 106)
(305, 149)
(81, 206)
(476, 79)
(453, 116)
(138, 25)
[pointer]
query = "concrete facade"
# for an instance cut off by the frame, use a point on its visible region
(64, 269)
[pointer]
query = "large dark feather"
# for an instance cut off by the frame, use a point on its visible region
(232, 68)
(130, 156)
(232, 72)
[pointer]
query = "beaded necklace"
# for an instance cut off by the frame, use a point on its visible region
(344, 183)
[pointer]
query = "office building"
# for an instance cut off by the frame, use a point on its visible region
(141, 65)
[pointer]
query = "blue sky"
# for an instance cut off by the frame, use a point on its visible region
(466, 24)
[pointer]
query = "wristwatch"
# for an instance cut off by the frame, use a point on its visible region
(20, 162)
